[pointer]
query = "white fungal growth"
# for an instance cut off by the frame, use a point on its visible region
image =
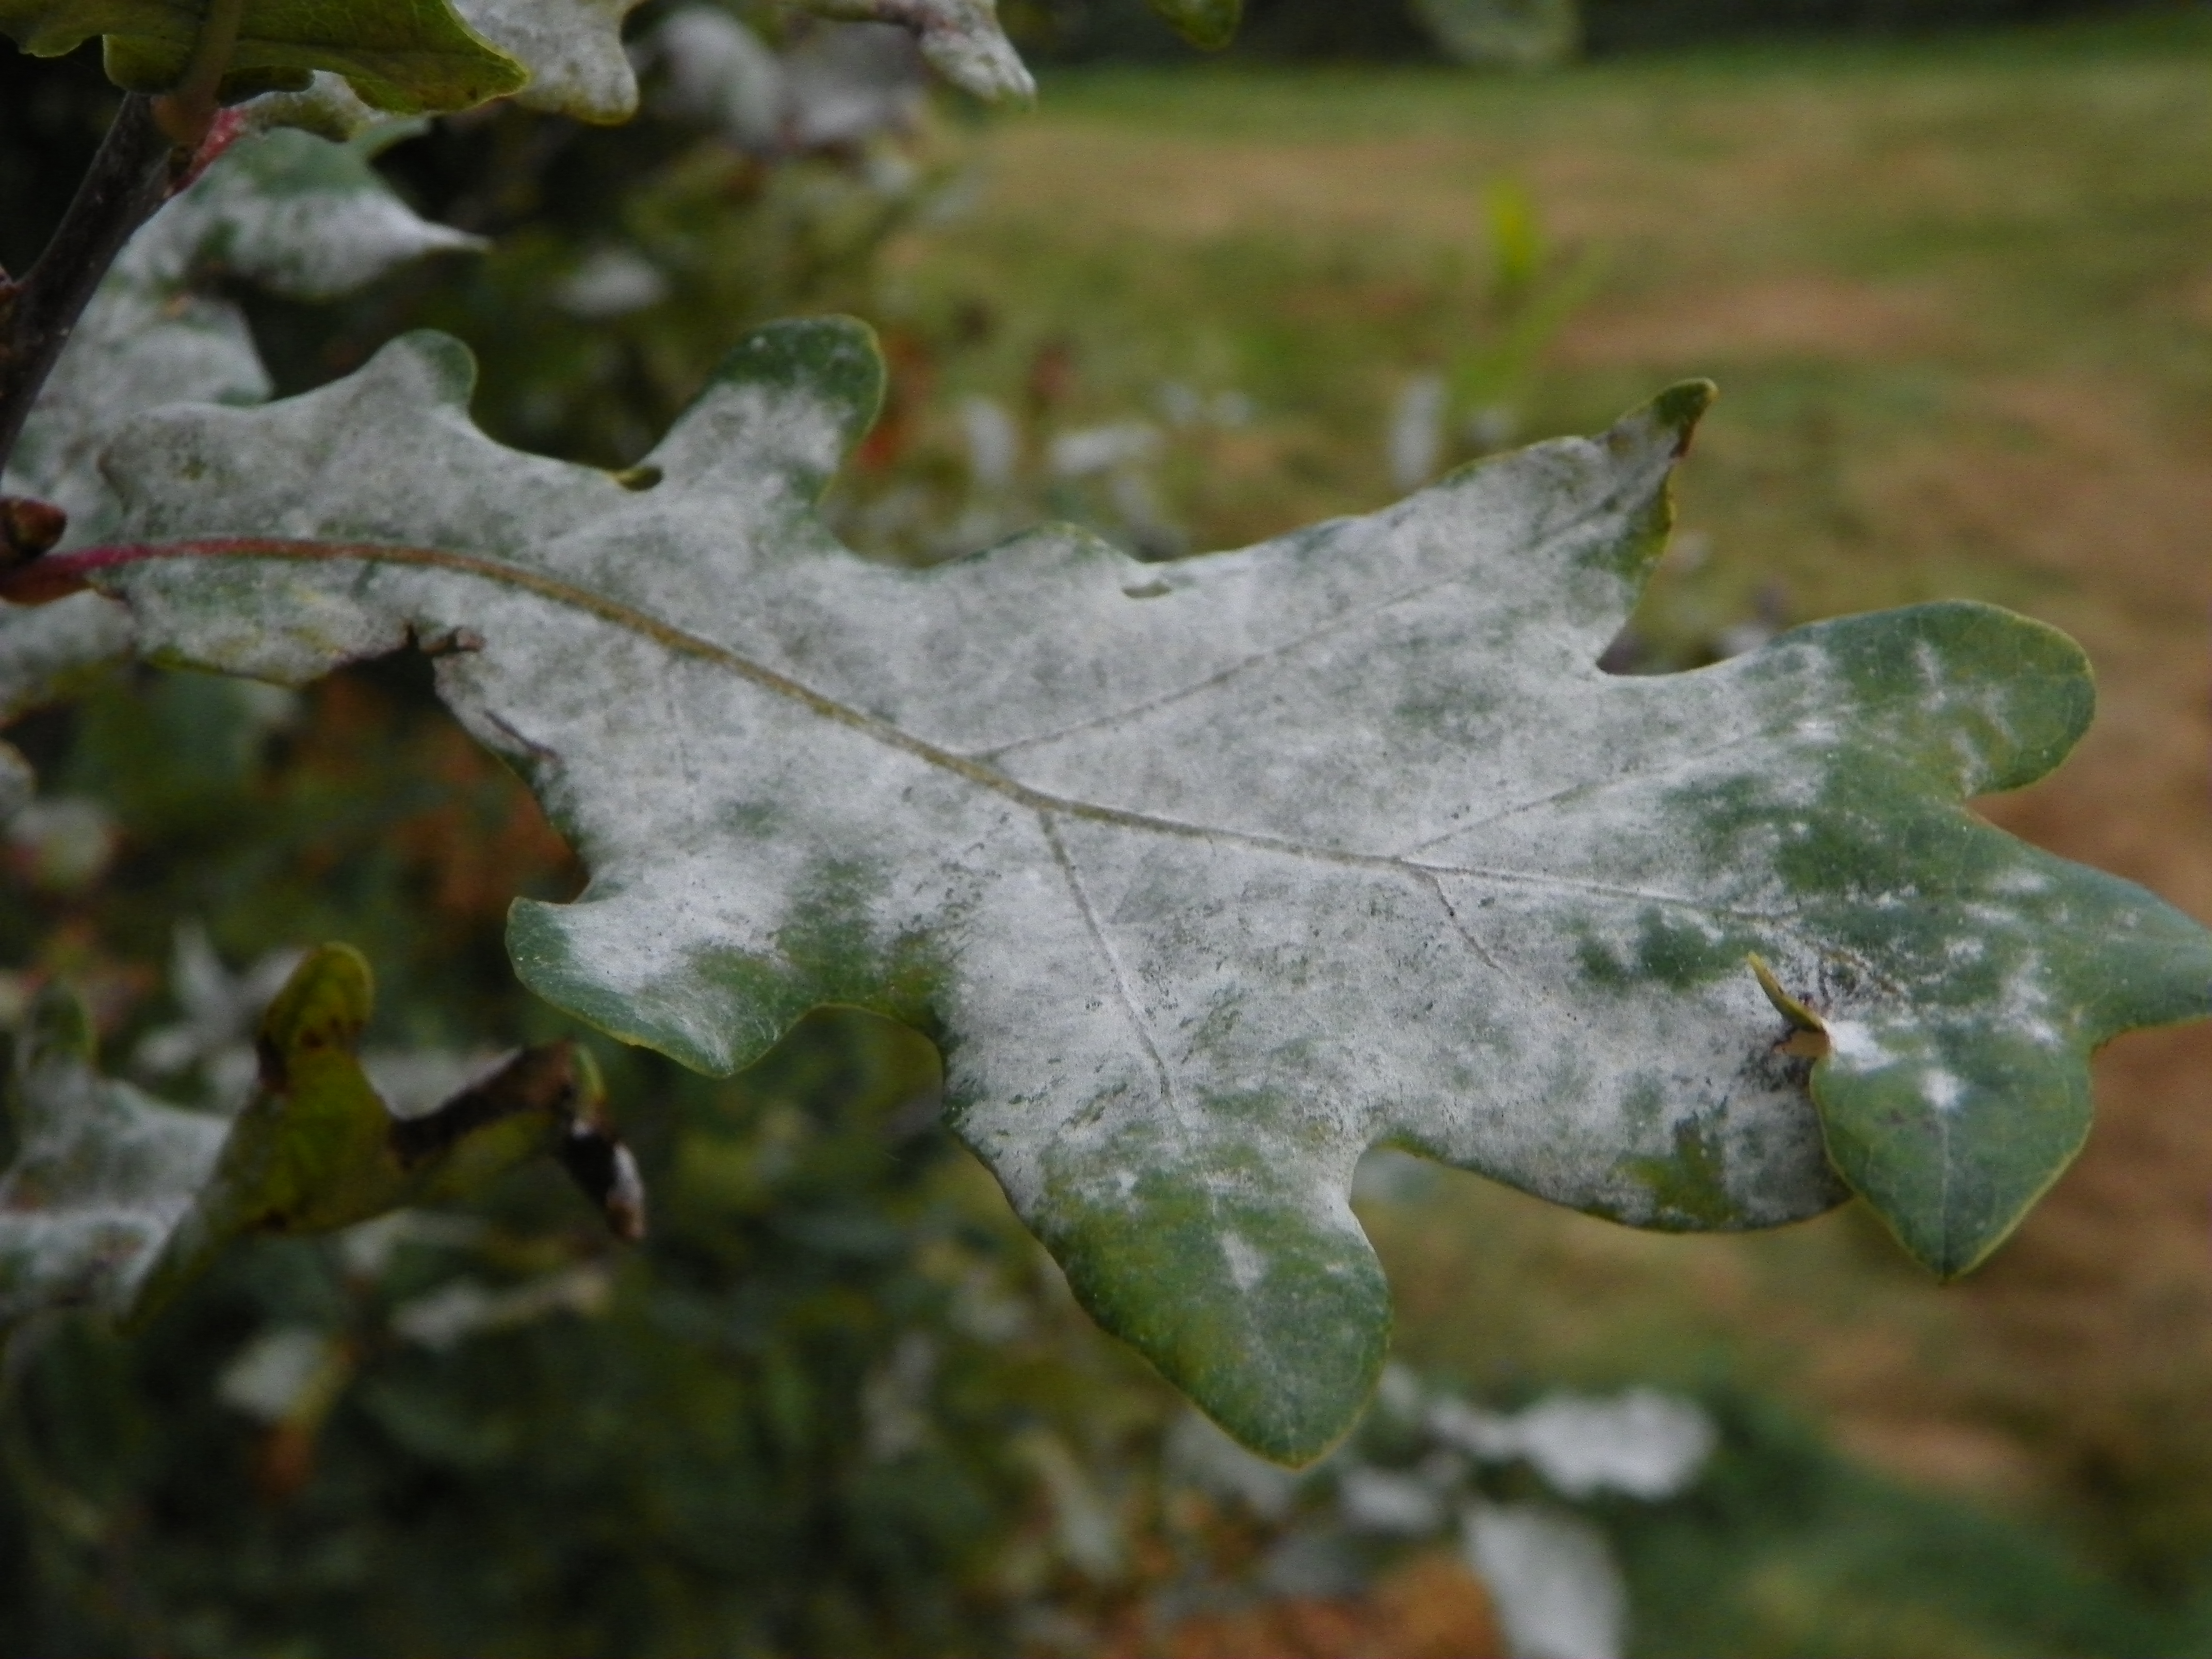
(1247, 1267)
(1856, 1044)
(1340, 840)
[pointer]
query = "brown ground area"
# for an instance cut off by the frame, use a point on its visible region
(1431, 1608)
(1806, 315)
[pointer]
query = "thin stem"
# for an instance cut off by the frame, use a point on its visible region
(186, 110)
(128, 179)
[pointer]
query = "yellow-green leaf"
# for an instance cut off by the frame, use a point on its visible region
(115, 1201)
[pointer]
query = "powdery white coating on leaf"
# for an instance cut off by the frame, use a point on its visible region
(850, 85)
(834, 87)
(300, 216)
(1559, 1592)
(139, 346)
(1389, 1502)
(101, 1177)
(327, 108)
(1643, 1443)
(43, 649)
(277, 1370)
(719, 72)
(1213, 875)
(961, 38)
(572, 48)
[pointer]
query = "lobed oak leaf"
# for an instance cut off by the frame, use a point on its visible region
(1210, 876)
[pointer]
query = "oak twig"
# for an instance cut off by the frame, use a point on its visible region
(133, 173)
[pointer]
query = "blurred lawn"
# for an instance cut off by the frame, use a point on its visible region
(1958, 297)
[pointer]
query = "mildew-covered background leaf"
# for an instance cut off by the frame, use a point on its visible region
(407, 56)
(290, 213)
(99, 1177)
(961, 38)
(1210, 876)
(300, 216)
(572, 48)
(1525, 35)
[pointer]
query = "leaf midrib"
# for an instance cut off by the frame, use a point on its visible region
(92, 562)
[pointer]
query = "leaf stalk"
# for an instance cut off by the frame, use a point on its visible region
(186, 112)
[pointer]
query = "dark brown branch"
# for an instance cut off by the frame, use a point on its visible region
(549, 1084)
(129, 179)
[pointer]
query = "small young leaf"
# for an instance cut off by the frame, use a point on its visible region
(410, 57)
(115, 1201)
(1210, 24)
(316, 1149)
(1212, 875)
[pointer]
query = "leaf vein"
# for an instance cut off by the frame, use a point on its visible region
(1260, 659)
(1113, 960)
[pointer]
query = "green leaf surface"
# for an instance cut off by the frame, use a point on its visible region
(1210, 876)
(115, 1201)
(410, 57)
(1210, 24)
(961, 38)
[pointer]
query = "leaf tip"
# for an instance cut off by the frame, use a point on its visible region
(324, 1005)
(1680, 408)
(1808, 1037)
(1270, 1310)
(797, 394)
(450, 366)
(1949, 1256)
